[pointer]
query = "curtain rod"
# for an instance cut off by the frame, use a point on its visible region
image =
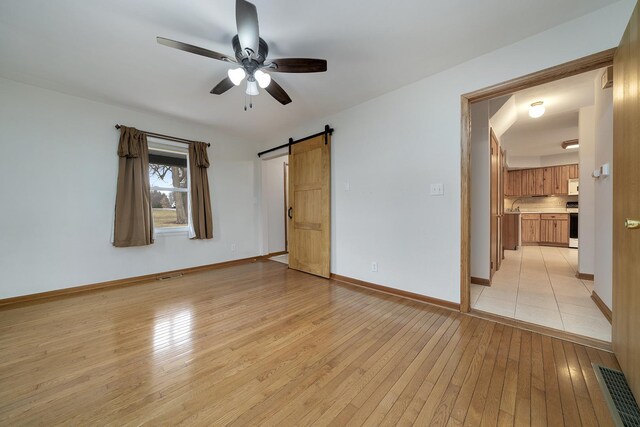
(167, 137)
(327, 130)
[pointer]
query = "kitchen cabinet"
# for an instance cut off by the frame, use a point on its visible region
(545, 229)
(574, 172)
(530, 228)
(547, 181)
(560, 180)
(538, 182)
(511, 231)
(554, 229)
(513, 183)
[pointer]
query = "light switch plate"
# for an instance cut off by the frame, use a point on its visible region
(437, 189)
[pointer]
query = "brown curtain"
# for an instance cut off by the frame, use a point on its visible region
(200, 195)
(133, 219)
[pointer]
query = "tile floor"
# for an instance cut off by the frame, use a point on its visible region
(537, 284)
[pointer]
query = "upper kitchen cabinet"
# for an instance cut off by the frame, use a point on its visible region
(574, 172)
(560, 180)
(547, 181)
(513, 183)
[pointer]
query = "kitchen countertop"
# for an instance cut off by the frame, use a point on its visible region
(538, 211)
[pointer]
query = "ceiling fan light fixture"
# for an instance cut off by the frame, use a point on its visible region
(262, 78)
(236, 75)
(536, 110)
(252, 88)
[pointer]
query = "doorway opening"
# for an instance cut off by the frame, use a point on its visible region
(527, 181)
(275, 202)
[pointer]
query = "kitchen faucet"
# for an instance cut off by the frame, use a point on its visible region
(514, 202)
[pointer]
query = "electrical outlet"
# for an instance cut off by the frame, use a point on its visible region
(374, 267)
(233, 247)
(437, 189)
(347, 186)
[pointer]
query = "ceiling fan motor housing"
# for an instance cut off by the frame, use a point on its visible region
(255, 61)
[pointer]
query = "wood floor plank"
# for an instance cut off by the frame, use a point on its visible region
(538, 398)
(479, 398)
(492, 404)
(552, 389)
(595, 394)
(583, 400)
(464, 397)
(510, 387)
(523, 395)
(415, 393)
(259, 344)
(567, 396)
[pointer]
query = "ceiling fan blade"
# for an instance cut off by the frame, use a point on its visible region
(222, 87)
(275, 90)
(247, 24)
(195, 49)
(299, 65)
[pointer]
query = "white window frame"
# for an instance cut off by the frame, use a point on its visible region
(155, 144)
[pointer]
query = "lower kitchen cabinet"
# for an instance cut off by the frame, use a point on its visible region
(545, 229)
(554, 229)
(530, 228)
(510, 231)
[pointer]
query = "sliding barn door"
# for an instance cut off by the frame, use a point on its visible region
(310, 206)
(626, 203)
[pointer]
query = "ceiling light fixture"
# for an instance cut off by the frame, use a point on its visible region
(263, 78)
(572, 143)
(236, 75)
(252, 88)
(536, 110)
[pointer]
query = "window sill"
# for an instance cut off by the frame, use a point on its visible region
(171, 231)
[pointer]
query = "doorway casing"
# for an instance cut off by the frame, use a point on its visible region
(568, 69)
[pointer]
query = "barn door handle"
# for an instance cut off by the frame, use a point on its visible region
(290, 213)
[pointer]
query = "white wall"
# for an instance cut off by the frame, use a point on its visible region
(392, 147)
(480, 191)
(603, 194)
(273, 205)
(586, 223)
(503, 117)
(59, 167)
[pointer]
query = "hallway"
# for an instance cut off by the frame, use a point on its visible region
(537, 284)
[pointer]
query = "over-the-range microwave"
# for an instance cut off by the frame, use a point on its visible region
(574, 186)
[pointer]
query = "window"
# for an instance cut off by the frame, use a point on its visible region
(169, 181)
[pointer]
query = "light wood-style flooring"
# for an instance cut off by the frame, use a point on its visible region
(259, 344)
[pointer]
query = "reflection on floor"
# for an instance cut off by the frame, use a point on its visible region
(281, 258)
(537, 284)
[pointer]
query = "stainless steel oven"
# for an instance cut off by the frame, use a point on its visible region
(572, 210)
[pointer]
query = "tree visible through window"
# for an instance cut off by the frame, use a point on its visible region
(168, 177)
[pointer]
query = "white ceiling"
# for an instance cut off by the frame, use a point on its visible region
(562, 100)
(106, 50)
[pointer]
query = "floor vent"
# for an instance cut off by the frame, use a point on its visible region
(617, 393)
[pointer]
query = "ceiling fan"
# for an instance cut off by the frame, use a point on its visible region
(251, 54)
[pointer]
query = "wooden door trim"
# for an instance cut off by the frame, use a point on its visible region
(568, 69)
(493, 228)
